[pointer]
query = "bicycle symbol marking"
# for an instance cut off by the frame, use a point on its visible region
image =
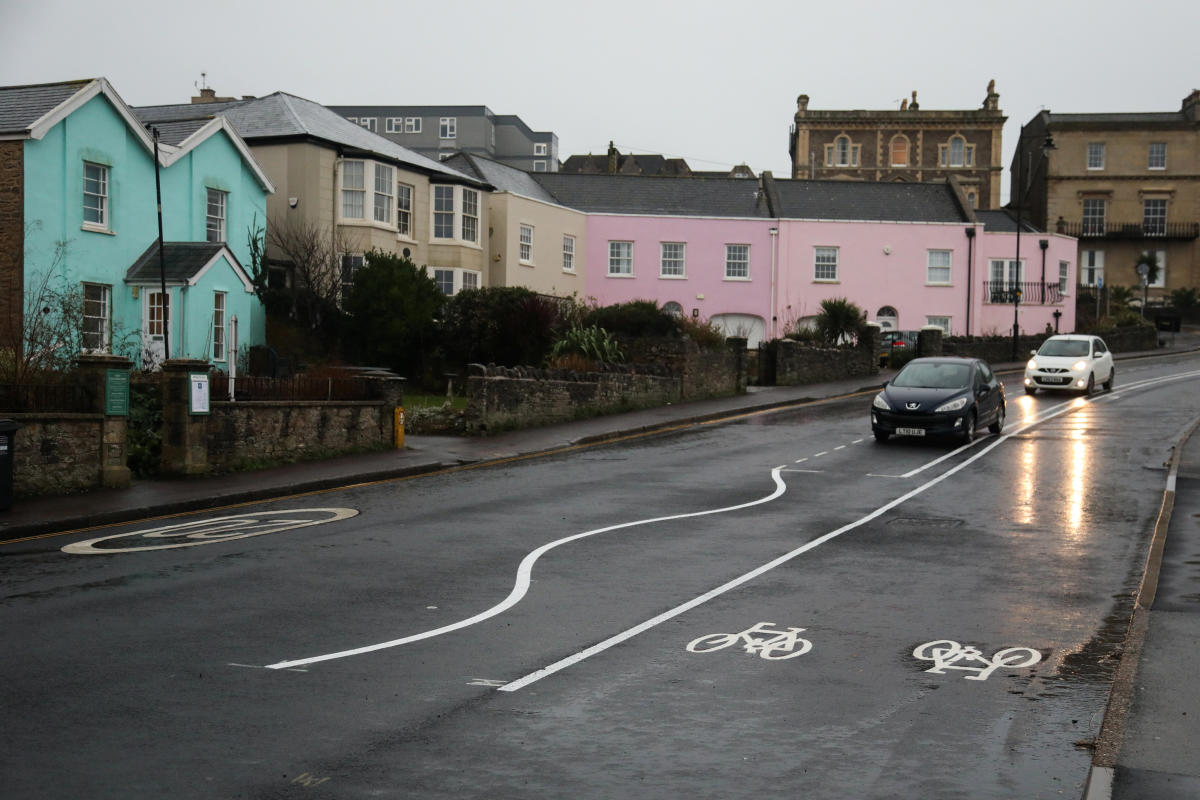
(774, 645)
(946, 654)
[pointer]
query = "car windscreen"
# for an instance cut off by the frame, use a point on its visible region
(934, 376)
(1064, 347)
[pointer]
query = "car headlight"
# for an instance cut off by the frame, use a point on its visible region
(880, 402)
(1079, 366)
(953, 405)
(1031, 365)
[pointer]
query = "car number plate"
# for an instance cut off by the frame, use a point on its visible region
(1056, 380)
(910, 431)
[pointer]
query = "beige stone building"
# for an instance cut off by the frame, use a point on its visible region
(534, 241)
(1124, 184)
(910, 144)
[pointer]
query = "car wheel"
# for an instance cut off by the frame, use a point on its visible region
(1112, 376)
(998, 425)
(1030, 390)
(1091, 387)
(968, 434)
(880, 436)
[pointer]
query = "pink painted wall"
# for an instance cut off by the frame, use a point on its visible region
(879, 264)
(704, 286)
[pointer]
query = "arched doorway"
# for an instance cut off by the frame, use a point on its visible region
(888, 318)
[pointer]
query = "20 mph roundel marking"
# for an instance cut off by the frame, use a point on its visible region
(210, 531)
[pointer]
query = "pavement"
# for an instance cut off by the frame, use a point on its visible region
(1153, 720)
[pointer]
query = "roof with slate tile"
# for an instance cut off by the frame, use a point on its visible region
(285, 116)
(22, 106)
(863, 201)
(501, 176)
(637, 194)
(183, 262)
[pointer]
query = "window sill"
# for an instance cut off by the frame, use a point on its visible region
(736, 279)
(620, 275)
(93, 228)
(529, 264)
(939, 285)
(568, 271)
(826, 280)
(672, 277)
(368, 223)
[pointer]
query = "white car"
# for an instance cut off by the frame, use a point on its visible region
(1076, 362)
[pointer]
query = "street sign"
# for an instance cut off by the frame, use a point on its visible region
(116, 392)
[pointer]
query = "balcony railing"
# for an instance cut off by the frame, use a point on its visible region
(1130, 230)
(1026, 293)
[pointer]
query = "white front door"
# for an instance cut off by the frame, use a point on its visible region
(153, 329)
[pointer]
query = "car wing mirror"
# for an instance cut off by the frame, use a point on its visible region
(1033, 352)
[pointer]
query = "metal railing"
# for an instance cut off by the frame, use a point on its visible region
(1025, 293)
(1131, 230)
(296, 388)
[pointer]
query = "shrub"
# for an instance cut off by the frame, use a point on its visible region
(703, 332)
(839, 321)
(508, 325)
(635, 319)
(390, 312)
(592, 344)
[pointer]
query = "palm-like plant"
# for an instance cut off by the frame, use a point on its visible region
(840, 320)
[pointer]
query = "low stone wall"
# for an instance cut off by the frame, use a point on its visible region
(703, 373)
(249, 434)
(56, 453)
(999, 350)
(504, 399)
(798, 363)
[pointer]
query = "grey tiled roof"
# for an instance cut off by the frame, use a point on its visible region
(501, 176)
(281, 115)
(867, 201)
(21, 106)
(636, 194)
(183, 260)
(174, 133)
(1004, 221)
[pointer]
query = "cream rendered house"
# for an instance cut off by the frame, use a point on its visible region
(359, 189)
(534, 241)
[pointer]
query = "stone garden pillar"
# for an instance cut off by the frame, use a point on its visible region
(106, 379)
(185, 429)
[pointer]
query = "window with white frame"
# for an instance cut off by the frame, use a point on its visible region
(939, 322)
(353, 189)
(825, 263)
(937, 267)
(443, 212)
(671, 259)
(351, 263)
(526, 244)
(1095, 155)
(1092, 268)
(1157, 158)
(1006, 275)
(1093, 216)
(394, 125)
(620, 258)
(470, 218)
(385, 185)
(444, 278)
(899, 151)
(97, 316)
(218, 327)
(1154, 216)
(737, 262)
(214, 219)
(412, 124)
(367, 122)
(404, 209)
(956, 153)
(470, 280)
(1064, 272)
(842, 153)
(539, 166)
(539, 148)
(95, 195)
(448, 127)
(568, 253)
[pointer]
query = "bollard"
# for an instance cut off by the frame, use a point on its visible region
(398, 427)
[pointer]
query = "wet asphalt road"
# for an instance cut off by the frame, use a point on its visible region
(194, 672)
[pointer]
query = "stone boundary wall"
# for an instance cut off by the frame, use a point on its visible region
(259, 433)
(503, 398)
(56, 453)
(797, 363)
(1000, 350)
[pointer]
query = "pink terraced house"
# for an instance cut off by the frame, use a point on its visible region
(759, 256)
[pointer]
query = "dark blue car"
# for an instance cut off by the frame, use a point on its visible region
(939, 397)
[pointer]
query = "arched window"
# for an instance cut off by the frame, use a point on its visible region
(673, 308)
(956, 153)
(899, 151)
(842, 153)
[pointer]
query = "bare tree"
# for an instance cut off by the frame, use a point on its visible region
(311, 256)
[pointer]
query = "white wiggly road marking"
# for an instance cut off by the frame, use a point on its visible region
(524, 571)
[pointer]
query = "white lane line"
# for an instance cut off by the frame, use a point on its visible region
(524, 571)
(858, 441)
(822, 453)
(801, 460)
(840, 447)
(813, 471)
(600, 647)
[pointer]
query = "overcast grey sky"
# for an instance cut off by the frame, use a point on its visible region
(713, 82)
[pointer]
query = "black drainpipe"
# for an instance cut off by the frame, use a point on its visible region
(970, 263)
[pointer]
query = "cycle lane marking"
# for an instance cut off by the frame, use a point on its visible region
(699, 600)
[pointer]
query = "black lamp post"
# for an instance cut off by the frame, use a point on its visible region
(1018, 191)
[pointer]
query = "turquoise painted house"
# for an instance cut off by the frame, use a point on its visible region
(78, 208)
